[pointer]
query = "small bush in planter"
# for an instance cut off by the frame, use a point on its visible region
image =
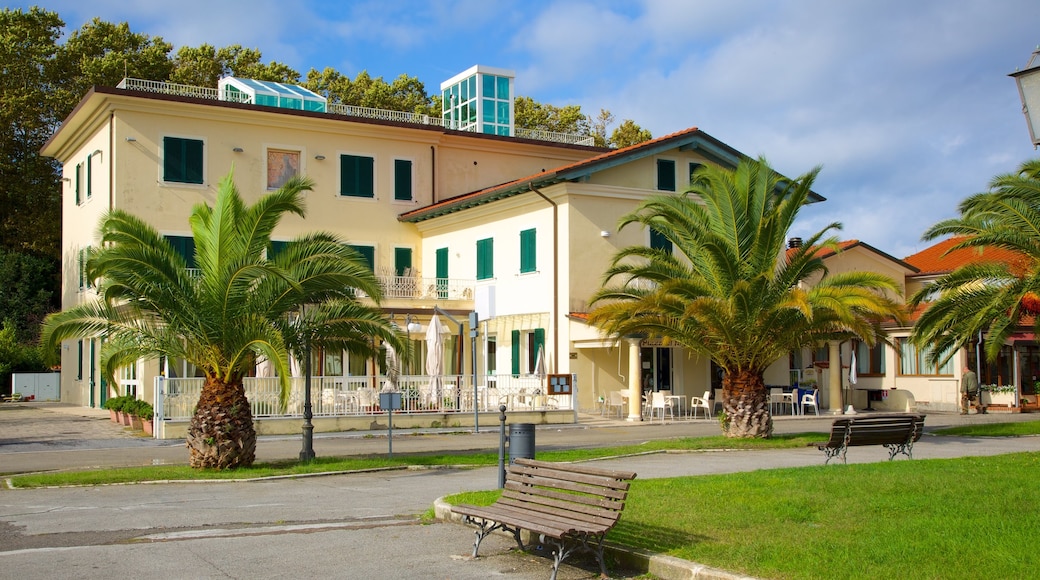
(115, 403)
(144, 410)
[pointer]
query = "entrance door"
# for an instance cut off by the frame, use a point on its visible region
(658, 374)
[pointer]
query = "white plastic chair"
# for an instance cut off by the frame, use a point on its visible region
(659, 403)
(618, 401)
(777, 398)
(701, 403)
(809, 398)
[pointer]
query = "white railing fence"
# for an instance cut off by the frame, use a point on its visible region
(349, 110)
(175, 398)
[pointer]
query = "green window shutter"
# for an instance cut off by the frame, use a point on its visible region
(528, 247)
(515, 338)
(275, 248)
(666, 175)
(368, 253)
(90, 181)
(442, 272)
(182, 160)
(659, 242)
(357, 176)
(79, 268)
(184, 246)
(539, 342)
(193, 161)
(402, 260)
(79, 360)
(78, 172)
(485, 258)
(694, 166)
(93, 346)
(442, 262)
(402, 180)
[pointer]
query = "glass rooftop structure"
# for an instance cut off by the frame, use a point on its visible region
(479, 99)
(271, 94)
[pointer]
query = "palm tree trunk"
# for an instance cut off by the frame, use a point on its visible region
(221, 434)
(746, 405)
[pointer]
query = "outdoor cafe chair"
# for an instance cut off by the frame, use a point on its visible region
(701, 403)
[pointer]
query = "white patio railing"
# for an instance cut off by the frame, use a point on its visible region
(349, 110)
(352, 396)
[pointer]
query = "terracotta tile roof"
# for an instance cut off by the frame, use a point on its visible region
(935, 259)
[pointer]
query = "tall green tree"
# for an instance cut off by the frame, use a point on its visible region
(204, 65)
(990, 296)
(242, 306)
(30, 109)
(103, 53)
(405, 93)
(30, 292)
(628, 134)
(531, 114)
(731, 291)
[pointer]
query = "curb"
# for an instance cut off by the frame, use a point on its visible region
(660, 565)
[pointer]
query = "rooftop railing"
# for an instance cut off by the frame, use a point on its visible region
(165, 88)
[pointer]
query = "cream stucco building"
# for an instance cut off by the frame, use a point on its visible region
(483, 222)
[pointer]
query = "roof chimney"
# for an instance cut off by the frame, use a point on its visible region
(794, 243)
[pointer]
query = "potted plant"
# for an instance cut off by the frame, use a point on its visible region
(131, 413)
(114, 405)
(124, 410)
(145, 412)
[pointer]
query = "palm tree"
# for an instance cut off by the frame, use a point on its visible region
(995, 297)
(239, 307)
(730, 291)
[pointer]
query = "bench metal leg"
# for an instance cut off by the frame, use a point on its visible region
(832, 452)
(485, 527)
(562, 552)
(904, 448)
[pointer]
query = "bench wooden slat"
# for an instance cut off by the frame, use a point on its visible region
(608, 473)
(516, 517)
(559, 524)
(593, 504)
(553, 482)
(557, 509)
(597, 481)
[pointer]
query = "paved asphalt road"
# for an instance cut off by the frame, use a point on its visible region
(344, 526)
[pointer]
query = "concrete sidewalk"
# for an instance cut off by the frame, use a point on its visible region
(365, 513)
(57, 436)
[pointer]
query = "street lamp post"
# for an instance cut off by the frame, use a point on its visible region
(1028, 81)
(307, 453)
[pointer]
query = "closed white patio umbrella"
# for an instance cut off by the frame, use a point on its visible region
(435, 357)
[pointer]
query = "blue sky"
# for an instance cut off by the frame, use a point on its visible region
(906, 105)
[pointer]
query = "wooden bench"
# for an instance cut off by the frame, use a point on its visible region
(897, 433)
(562, 503)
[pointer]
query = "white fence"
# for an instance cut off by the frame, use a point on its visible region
(349, 110)
(352, 396)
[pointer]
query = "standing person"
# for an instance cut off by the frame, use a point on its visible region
(969, 390)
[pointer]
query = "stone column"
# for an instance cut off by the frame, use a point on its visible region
(834, 377)
(635, 386)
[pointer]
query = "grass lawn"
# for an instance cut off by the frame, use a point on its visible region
(356, 463)
(993, 429)
(973, 517)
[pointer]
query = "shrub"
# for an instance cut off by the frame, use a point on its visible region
(130, 406)
(115, 403)
(144, 410)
